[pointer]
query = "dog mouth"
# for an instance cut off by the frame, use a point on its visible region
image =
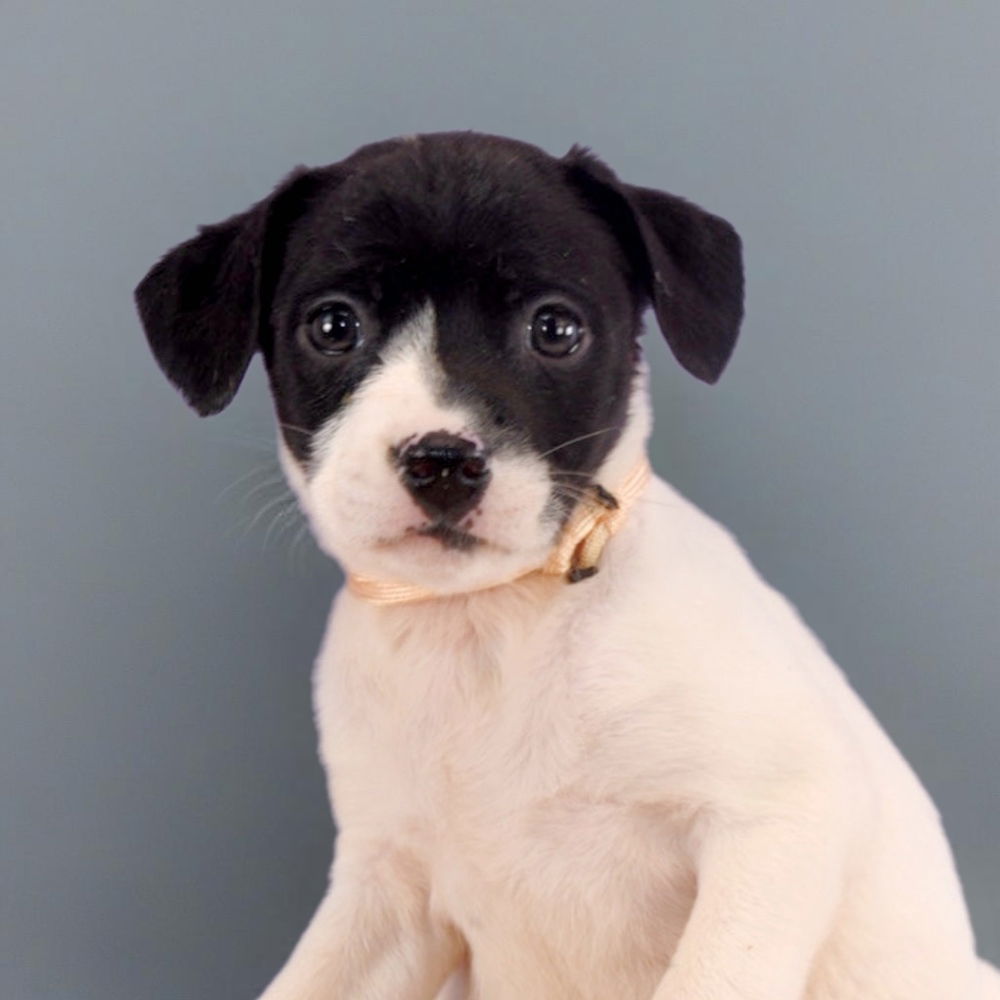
(449, 536)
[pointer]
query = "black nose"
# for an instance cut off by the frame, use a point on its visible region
(444, 473)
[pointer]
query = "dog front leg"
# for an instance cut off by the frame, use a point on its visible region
(766, 897)
(372, 936)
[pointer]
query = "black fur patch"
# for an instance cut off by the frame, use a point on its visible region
(485, 239)
(484, 229)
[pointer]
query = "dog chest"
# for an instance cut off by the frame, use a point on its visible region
(433, 711)
(535, 890)
(481, 755)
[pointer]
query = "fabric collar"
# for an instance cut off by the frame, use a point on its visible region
(574, 557)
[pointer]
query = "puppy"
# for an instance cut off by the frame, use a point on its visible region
(577, 749)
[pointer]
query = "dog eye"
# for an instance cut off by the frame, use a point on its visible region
(556, 331)
(334, 328)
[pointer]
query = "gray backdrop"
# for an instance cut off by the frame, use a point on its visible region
(164, 832)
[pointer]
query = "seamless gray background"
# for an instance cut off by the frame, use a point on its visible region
(164, 832)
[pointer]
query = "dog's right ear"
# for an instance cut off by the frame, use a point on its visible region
(204, 303)
(688, 261)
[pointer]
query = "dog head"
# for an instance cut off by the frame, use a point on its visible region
(449, 325)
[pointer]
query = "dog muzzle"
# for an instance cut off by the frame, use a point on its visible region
(575, 557)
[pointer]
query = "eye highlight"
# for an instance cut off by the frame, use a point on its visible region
(334, 328)
(555, 331)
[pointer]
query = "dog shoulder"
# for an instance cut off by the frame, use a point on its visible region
(702, 678)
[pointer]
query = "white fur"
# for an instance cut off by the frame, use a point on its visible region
(654, 784)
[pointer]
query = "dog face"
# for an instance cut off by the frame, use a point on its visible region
(449, 327)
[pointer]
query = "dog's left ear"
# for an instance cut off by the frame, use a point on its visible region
(204, 305)
(688, 262)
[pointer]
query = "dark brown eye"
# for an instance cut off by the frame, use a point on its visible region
(556, 331)
(334, 328)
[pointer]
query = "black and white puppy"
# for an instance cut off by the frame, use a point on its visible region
(576, 747)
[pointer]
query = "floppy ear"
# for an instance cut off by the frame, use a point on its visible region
(203, 305)
(688, 262)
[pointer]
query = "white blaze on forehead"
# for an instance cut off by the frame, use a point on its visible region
(400, 398)
(362, 513)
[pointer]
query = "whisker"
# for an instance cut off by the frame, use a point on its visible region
(264, 467)
(281, 501)
(277, 482)
(282, 520)
(577, 440)
(579, 494)
(294, 427)
(274, 482)
(297, 547)
(566, 472)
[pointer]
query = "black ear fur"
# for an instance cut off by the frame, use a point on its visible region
(199, 309)
(204, 303)
(688, 262)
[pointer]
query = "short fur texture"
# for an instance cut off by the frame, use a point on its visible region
(649, 785)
